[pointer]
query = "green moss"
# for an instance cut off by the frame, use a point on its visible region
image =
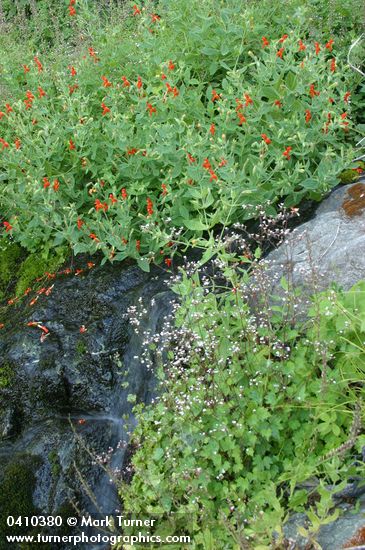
(55, 463)
(350, 175)
(6, 375)
(81, 348)
(18, 269)
(35, 265)
(10, 254)
(16, 494)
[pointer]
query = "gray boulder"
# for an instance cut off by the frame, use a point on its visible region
(330, 248)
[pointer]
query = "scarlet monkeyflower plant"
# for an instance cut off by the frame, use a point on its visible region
(136, 160)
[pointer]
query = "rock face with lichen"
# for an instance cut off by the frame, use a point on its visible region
(327, 249)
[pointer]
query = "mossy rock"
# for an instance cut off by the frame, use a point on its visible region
(16, 494)
(351, 175)
(19, 270)
(6, 375)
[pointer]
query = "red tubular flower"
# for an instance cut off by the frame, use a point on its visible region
(308, 115)
(29, 95)
(72, 11)
(39, 64)
(168, 262)
(149, 207)
(283, 38)
(302, 47)
(191, 158)
(17, 143)
(266, 139)
(331, 100)
(106, 82)
(215, 96)
(138, 245)
(136, 10)
(82, 330)
(239, 105)
(265, 42)
(213, 175)
(206, 164)
(73, 71)
(346, 97)
(150, 108)
(286, 153)
(132, 151)
(26, 69)
(242, 119)
(139, 83)
(8, 108)
(2, 115)
(71, 146)
(171, 66)
(333, 65)
(80, 223)
(163, 76)
(164, 189)
(212, 129)
(223, 162)
(317, 47)
(248, 100)
(112, 198)
(41, 92)
(73, 88)
(155, 17)
(105, 109)
(4, 143)
(312, 91)
(100, 205)
(126, 82)
(124, 194)
(169, 88)
(8, 226)
(94, 237)
(343, 116)
(329, 44)
(175, 91)
(46, 183)
(56, 185)
(280, 52)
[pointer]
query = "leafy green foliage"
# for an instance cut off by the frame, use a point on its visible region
(202, 123)
(255, 413)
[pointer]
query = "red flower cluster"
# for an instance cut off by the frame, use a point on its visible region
(139, 83)
(308, 115)
(333, 65)
(136, 10)
(302, 47)
(329, 45)
(208, 166)
(8, 226)
(280, 52)
(265, 42)
(149, 207)
(124, 194)
(39, 64)
(4, 144)
(100, 205)
(266, 139)
(106, 82)
(215, 96)
(312, 91)
(283, 38)
(150, 108)
(317, 47)
(286, 153)
(105, 109)
(126, 82)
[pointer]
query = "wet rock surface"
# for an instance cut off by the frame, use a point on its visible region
(326, 249)
(68, 397)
